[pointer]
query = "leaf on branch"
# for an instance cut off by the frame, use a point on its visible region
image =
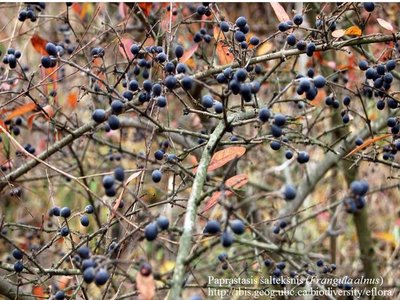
(125, 48)
(385, 24)
(48, 109)
(123, 10)
(224, 55)
(146, 286)
(2, 124)
(338, 33)
(264, 48)
(83, 9)
(280, 12)
(39, 44)
(19, 111)
(234, 182)
(189, 53)
(353, 31)
(146, 7)
(367, 143)
(222, 157)
(118, 201)
(38, 292)
(385, 236)
(72, 99)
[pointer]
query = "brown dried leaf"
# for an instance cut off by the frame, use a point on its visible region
(146, 286)
(234, 182)
(280, 12)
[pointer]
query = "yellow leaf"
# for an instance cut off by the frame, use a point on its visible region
(167, 266)
(353, 30)
(264, 48)
(385, 236)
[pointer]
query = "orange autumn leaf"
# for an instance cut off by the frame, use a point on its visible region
(2, 124)
(39, 44)
(234, 182)
(19, 111)
(224, 56)
(38, 292)
(146, 7)
(49, 111)
(280, 12)
(367, 143)
(321, 95)
(353, 31)
(222, 157)
(72, 99)
(82, 9)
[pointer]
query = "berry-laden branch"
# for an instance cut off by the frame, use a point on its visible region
(283, 54)
(330, 160)
(185, 242)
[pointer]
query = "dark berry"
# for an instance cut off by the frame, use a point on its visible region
(224, 26)
(226, 239)
(117, 107)
(151, 231)
(289, 192)
(156, 176)
(113, 122)
(51, 49)
(207, 101)
(179, 51)
(369, 6)
(241, 22)
(85, 221)
(17, 254)
(303, 157)
(212, 227)
(163, 222)
(65, 212)
(363, 65)
(237, 226)
(89, 209)
(101, 277)
(89, 275)
(319, 81)
(291, 39)
(298, 20)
